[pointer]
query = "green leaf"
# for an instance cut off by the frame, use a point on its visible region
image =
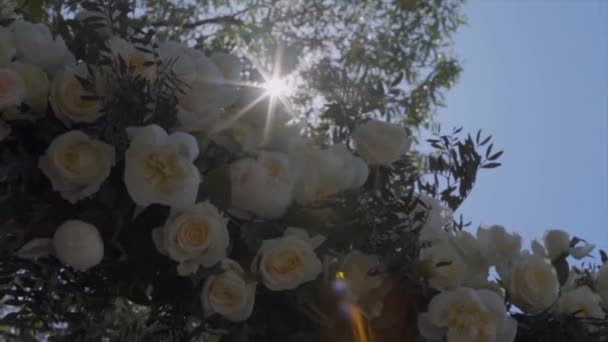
(489, 150)
(575, 240)
(486, 140)
(216, 186)
(562, 268)
(397, 80)
(443, 264)
(603, 256)
(491, 165)
(35, 8)
(496, 155)
(91, 6)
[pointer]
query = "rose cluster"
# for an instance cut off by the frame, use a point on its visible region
(276, 166)
(273, 166)
(476, 274)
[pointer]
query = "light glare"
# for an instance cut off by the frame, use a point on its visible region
(275, 87)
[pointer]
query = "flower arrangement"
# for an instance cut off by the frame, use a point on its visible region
(149, 177)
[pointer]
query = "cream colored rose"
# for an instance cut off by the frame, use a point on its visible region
(12, 88)
(557, 243)
(289, 261)
(262, 186)
(601, 284)
(256, 121)
(78, 244)
(77, 165)
(465, 315)
(229, 294)
(230, 66)
(449, 268)
(8, 8)
(194, 237)
(159, 167)
(67, 97)
(532, 283)
(437, 216)
(497, 245)
(360, 275)
(138, 62)
(381, 143)
(206, 91)
(35, 45)
(5, 130)
(7, 46)
(323, 173)
(477, 267)
(36, 86)
(582, 301)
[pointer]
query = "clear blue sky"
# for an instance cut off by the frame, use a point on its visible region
(536, 77)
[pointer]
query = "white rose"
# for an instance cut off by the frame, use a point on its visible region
(477, 267)
(497, 245)
(289, 261)
(138, 62)
(601, 284)
(8, 7)
(77, 165)
(78, 244)
(557, 243)
(67, 97)
(36, 85)
(12, 88)
(7, 46)
(356, 268)
(356, 272)
(381, 143)
(438, 217)
(230, 65)
(205, 91)
(5, 130)
(262, 186)
(582, 301)
(159, 167)
(194, 237)
(323, 173)
(35, 45)
(258, 121)
(581, 252)
(532, 283)
(450, 268)
(465, 315)
(229, 293)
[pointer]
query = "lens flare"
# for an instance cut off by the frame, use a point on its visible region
(275, 87)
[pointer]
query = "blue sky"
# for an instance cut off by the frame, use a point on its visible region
(536, 77)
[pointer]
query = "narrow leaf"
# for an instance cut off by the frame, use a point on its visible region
(491, 165)
(496, 155)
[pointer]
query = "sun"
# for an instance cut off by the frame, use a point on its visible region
(275, 87)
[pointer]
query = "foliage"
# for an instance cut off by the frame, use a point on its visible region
(392, 64)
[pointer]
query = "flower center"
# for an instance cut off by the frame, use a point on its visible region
(285, 262)
(194, 233)
(162, 167)
(80, 157)
(76, 91)
(225, 294)
(274, 168)
(462, 315)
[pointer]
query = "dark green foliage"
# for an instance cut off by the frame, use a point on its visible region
(560, 328)
(455, 165)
